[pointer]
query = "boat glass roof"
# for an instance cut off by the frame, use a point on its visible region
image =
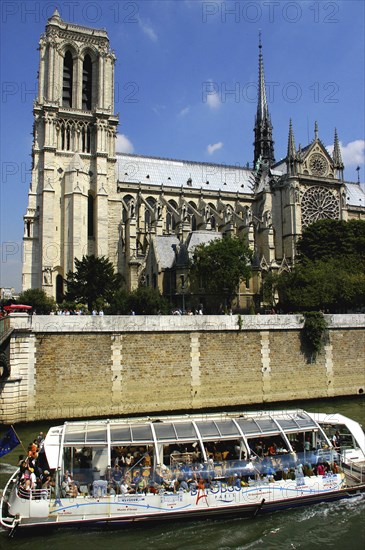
(167, 429)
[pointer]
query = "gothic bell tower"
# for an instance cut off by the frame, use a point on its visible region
(73, 154)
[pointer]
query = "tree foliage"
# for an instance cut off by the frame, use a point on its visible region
(93, 282)
(221, 265)
(328, 239)
(314, 331)
(38, 299)
(270, 283)
(330, 272)
(142, 301)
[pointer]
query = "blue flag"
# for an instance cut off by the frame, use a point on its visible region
(8, 442)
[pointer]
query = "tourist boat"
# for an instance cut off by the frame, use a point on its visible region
(122, 471)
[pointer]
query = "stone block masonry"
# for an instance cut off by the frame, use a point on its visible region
(81, 367)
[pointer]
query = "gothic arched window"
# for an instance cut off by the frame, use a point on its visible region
(86, 83)
(67, 80)
(147, 215)
(126, 213)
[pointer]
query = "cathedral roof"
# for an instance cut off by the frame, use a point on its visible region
(197, 238)
(355, 195)
(155, 171)
(165, 250)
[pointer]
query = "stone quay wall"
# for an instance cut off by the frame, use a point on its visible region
(83, 366)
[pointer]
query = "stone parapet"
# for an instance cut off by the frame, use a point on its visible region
(175, 323)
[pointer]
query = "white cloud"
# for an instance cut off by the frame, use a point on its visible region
(213, 100)
(184, 111)
(148, 30)
(157, 109)
(211, 148)
(353, 153)
(124, 145)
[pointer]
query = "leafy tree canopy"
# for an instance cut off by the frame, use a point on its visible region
(38, 299)
(333, 239)
(220, 265)
(330, 270)
(142, 301)
(322, 285)
(93, 282)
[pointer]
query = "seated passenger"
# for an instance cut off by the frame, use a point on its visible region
(125, 488)
(72, 490)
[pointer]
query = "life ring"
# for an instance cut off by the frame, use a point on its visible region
(4, 366)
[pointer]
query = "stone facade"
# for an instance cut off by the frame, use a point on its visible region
(69, 367)
(143, 212)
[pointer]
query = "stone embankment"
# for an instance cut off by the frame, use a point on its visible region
(85, 366)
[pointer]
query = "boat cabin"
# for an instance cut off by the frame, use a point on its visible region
(159, 450)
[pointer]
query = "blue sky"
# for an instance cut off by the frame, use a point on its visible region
(186, 78)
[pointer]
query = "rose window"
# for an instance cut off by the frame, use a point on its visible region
(318, 203)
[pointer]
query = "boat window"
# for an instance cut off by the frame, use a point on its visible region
(120, 434)
(288, 424)
(345, 440)
(208, 430)
(268, 446)
(267, 425)
(259, 426)
(75, 434)
(185, 430)
(247, 425)
(96, 434)
(142, 433)
(165, 431)
(228, 428)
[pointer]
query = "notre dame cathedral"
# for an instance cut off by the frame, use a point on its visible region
(147, 214)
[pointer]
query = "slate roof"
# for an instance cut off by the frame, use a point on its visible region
(165, 248)
(182, 173)
(169, 250)
(355, 195)
(201, 237)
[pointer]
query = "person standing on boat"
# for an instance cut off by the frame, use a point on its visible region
(116, 478)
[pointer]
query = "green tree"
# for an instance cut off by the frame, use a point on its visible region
(330, 269)
(143, 301)
(269, 288)
(38, 299)
(93, 282)
(333, 239)
(119, 305)
(220, 266)
(146, 300)
(322, 285)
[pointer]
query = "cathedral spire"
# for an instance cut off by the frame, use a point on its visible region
(336, 155)
(291, 143)
(292, 157)
(264, 145)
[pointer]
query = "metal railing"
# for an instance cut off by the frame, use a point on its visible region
(34, 494)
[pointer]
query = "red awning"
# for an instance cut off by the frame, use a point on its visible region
(15, 307)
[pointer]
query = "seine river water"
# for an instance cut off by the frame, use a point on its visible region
(338, 525)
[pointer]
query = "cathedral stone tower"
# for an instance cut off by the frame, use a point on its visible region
(73, 171)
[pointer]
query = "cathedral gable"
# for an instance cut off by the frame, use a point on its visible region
(317, 162)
